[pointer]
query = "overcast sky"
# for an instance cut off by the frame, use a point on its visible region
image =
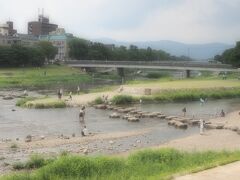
(189, 21)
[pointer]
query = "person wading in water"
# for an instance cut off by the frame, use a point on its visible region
(82, 118)
(184, 110)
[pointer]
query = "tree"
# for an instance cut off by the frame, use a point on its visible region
(48, 50)
(230, 56)
(19, 56)
(81, 49)
(78, 48)
(133, 52)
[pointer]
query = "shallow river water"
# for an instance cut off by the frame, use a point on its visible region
(53, 122)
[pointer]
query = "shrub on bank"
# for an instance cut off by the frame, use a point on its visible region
(156, 75)
(22, 102)
(35, 161)
(154, 164)
(122, 99)
(45, 103)
(194, 94)
(98, 100)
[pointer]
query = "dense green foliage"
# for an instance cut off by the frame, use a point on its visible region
(21, 56)
(81, 49)
(49, 51)
(148, 164)
(98, 100)
(230, 56)
(122, 99)
(156, 75)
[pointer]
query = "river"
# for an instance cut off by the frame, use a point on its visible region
(54, 122)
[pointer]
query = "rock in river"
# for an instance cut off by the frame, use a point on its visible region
(114, 115)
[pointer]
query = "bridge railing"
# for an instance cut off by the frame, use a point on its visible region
(151, 63)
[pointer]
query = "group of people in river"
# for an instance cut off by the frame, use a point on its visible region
(84, 130)
(60, 93)
(201, 121)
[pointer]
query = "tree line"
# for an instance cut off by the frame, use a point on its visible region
(21, 56)
(230, 56)
(81, 49)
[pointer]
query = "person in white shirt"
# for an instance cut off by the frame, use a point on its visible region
(201, 127)
(85, 131)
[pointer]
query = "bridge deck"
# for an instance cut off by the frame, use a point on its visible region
(171, 65)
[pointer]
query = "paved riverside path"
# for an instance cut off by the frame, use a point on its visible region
(226, 172)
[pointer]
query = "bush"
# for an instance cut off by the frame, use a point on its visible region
(14, 146)
(122, 99)
(36, 161)
(98, 100)
(18, 166)
(45, 103)
(22, 102)
(156, 75)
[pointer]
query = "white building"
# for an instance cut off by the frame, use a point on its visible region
(4, 29)
(60, 40)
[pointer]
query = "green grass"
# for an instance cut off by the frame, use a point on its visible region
(178, 95)
(193, 94)
(98, 100)
(45, 103)
(35, 161)
(185, 83)
(41, 103)
(148, 164)
(157, 75)
(122, 99)
(21, 102)
(34, 77)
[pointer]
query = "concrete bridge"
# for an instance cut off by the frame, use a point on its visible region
(168, 65)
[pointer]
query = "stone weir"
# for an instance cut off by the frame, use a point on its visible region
(132, 114)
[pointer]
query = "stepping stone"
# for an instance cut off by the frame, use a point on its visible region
(161, 116)
(114, 115)
(170, 117)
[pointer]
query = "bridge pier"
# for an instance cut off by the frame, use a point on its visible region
(188, 73)
(121, 73)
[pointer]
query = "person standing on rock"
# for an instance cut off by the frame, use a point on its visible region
(201, 127)
(78, 90)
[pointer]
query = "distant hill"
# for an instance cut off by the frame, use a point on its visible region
(195, 51)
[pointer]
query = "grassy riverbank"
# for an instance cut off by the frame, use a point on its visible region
(162, 91)
(148, 164)
(179, 95)
(43, 77)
